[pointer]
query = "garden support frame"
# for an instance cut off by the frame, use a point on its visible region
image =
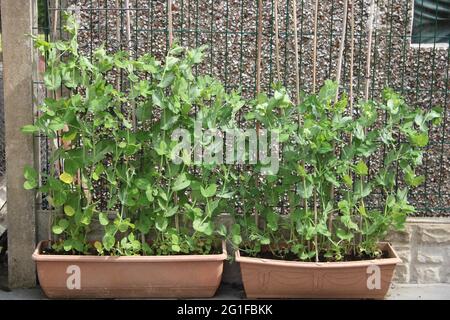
(17, 22)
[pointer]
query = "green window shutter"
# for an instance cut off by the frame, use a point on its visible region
(431, 21)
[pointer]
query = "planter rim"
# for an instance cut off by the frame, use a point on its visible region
(37, 256)
(393, 259)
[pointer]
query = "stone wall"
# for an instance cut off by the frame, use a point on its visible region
(424, 248)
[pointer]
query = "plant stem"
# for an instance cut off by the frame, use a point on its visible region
(316, 244)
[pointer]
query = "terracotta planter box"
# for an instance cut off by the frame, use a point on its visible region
(270, 278)
(73, 276)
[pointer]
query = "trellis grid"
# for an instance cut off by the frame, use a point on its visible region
(230, 29)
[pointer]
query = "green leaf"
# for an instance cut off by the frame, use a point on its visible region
(67, 245)
(86, 217)
(361, 169)
(347, 221)
(211, 207)
(305, 189)
(328, 91)
(66, 178)
(98, 245)
(70, 166)
(149, 193)
(166, 80)
(411, 179)
(103, 218)
(142, 184)
(167, 124)
(157, 100)
(181, 182)
(30, 173)
(161, 223)
(56, 125)
(170, 211)
(222, 230)
(108, 241)
(196, 55)
(52, 79)
(69, 210)
(210, 191)
(344, 206)
(348, 180)
(162, 148)
(29, 184)
(272, 220)
(123, 226)
(60, 227)
(171, 61)
(362, 190)
(30, 129)
(359, 132)
(203, 227)
(343, 235)
(236, 234)
(69, 136)
(175, 238)
(419, 139)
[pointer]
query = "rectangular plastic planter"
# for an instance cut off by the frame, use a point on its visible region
(182, 276)
(270, 278)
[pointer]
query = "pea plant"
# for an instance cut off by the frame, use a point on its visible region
(113, 136)
(324, 180)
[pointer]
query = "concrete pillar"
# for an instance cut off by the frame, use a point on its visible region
(17, 18)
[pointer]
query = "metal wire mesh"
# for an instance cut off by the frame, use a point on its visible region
(419, 72)
(2, 126)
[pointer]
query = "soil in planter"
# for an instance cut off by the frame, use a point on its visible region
(48, 250)
(278, 255)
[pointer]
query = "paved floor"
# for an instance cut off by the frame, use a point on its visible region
(397, 292)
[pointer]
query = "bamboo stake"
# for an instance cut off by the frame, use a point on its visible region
(170, 21)
(170, 31)
(352, 58)
(277, 42)
(119, 39)
(338, 80)
(55, 19)
(341, 49)
(316, 13)
(258, 75)
(128, 26)
(369, 48)
(59, 164)
(368, 64)
(297, 74)
(56, 93)
(297, 79)
(128, 19)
